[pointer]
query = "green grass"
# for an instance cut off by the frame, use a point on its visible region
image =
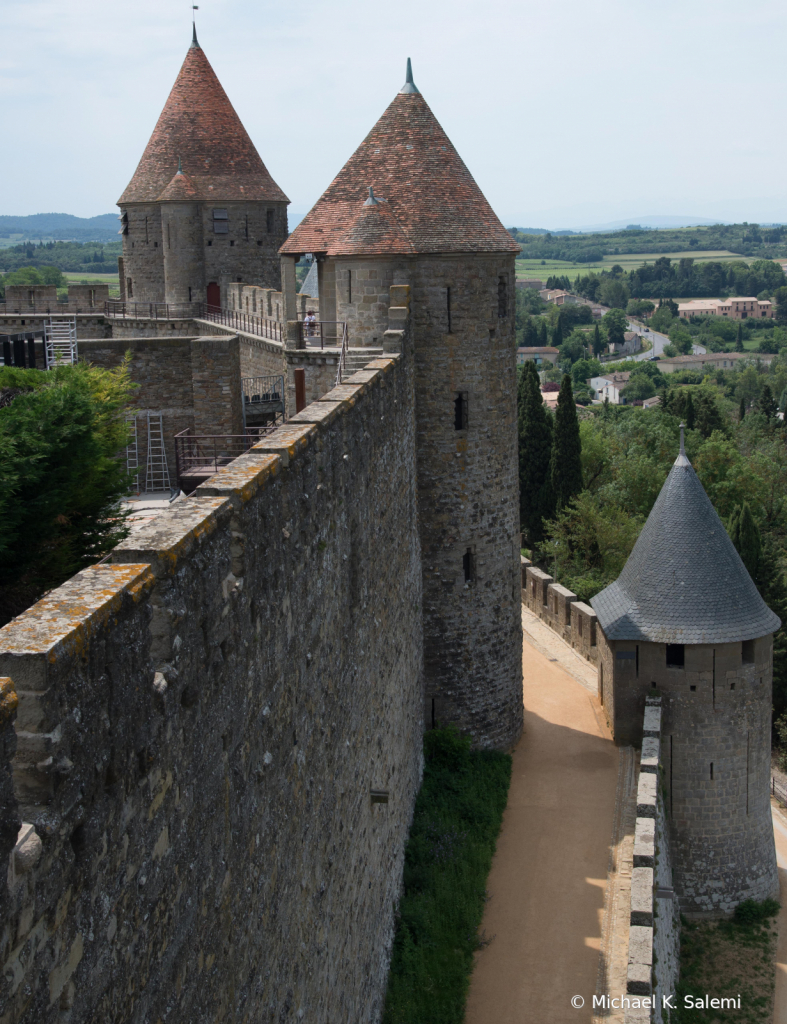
(727, 959)
(629, 261)
(455, 826)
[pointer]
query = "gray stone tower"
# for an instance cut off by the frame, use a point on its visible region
(684, 618)
(405, 211)
(202, 209)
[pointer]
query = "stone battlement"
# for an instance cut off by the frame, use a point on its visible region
(201, 721)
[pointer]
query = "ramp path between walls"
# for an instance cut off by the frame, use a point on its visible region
(556, 921)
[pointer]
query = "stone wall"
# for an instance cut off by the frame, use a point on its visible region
(654, 933)
(573, 620)
(88, 325)
(219, 740)
(194, 382)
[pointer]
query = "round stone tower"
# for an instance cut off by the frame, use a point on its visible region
(685, 619)
(405, 211)
(201, 209)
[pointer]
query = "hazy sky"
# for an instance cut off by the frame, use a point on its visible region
(566, 113)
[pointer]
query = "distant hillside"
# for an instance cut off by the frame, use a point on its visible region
(746, 239)
(61, 226)
(90, 257)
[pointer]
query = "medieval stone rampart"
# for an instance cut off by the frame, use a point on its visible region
(219, 740)
(573, 620)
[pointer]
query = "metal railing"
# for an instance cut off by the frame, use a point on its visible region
(251, 323)
(342, 358)
(263, 401)
(199, 456)
(151, 310)
(321, 333)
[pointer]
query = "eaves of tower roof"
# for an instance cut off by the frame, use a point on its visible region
(410, 162)
(199, 125)
(684, 582)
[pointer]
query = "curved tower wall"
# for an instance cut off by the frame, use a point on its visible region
(716, 753)
(468, 493)
(162, 269)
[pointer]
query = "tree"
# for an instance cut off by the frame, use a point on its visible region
(566, 462)
(614, 293)
(689, 414)
(598, 344)
(781, 305)
(767, 402)
(535, 448)
(583, 370)
(557, 336)
(741, 411)
(745, 535)
(615, 322)
(60, 477)
(639, 387)
(542, 333)
(739, 338)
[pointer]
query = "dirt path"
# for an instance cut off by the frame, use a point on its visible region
(548, 881)
(780, 996)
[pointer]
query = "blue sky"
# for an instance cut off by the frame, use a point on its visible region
(567, 114)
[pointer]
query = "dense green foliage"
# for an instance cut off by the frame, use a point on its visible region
(75, 257)
(627, 452)
(103, 228)
(577, 247)
(60, 479)
(686, 279)
(455, 826)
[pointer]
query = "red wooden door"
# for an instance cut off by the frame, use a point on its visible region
(214, 295)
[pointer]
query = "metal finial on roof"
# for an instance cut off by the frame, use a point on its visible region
(180, 167)
(372, 200)
(409, 85)
(194, 43)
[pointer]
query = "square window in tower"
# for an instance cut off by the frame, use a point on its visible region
(675, 656)
(221, 224)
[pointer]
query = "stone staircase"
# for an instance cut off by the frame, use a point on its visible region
(357, 358)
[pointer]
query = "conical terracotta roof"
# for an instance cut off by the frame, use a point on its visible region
(684, 582)
(410, 163)
(199, 125)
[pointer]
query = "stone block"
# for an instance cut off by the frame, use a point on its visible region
(647, 793)
(645, 842)
(652, 721)
(649, 759)
(642, 896)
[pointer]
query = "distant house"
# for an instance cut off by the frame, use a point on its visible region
(610, 386)
(545, 354)
(631, 343)
(558, 297)
(651, 403)
(709, 361)
(550, 398)
(736, 309)
(530, 282)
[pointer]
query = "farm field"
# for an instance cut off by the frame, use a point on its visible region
(629, 261)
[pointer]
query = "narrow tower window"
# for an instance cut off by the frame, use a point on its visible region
(124, 223)
(711, 771)
(189, 293)
(146, 231)
(675, 656)
(468, 564)
(247, 226)
(129, 288)
(502, 297)
(221, 224)
(269, 217)
(349, 285)
(169, 238)
(448, 308)
(460, 411)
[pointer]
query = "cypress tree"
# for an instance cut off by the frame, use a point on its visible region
(745, 535)
(742, 411)
(689, 413)
(598, 345)
(535, 446)
(739, 339)
(767, 402)
(566, 462)
(542, 333)
(557, 337)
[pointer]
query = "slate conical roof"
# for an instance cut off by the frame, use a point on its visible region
(684, 582)
(433, 205)
(199, 125)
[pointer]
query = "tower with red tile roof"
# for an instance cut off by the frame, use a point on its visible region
(201, 209)
(405, 211)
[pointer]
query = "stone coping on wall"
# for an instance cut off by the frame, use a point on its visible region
(557, 606)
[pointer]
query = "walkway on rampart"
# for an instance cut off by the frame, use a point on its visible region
(780, 995)
(564, 834)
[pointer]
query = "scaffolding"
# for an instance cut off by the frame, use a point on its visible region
(60, 340)
(157, 473)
